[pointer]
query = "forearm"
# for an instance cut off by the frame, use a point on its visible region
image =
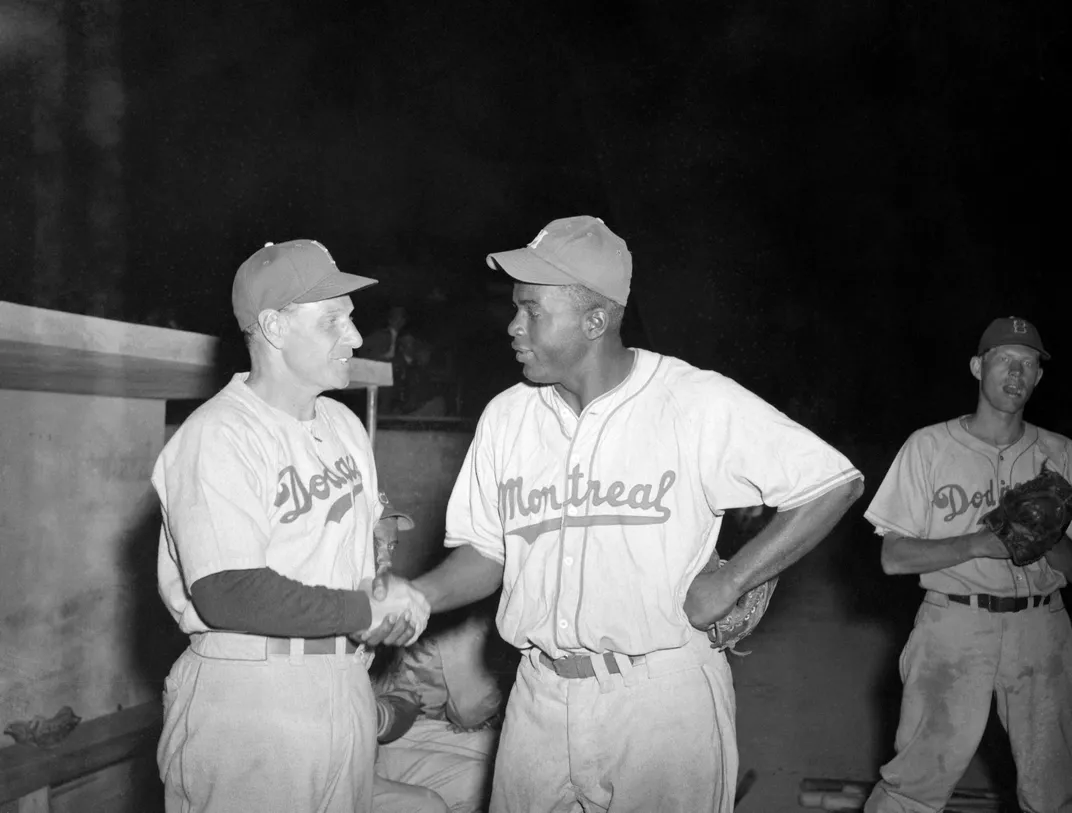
(905, 554)
(789, 536)
(261, 601)
(395, 715)
(462, 578)
(1059, 557)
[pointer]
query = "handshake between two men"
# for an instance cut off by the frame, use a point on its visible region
(399, 610)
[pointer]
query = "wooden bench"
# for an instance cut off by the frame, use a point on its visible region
(106, 764)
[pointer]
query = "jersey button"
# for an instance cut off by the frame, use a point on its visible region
(568, 560)
(563, 623)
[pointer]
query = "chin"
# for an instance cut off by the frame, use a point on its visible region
(535, 376)
(337, 382)
(1009, 404)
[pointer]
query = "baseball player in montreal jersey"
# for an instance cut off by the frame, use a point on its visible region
(270, 498)
(593, 496)
(986, 629)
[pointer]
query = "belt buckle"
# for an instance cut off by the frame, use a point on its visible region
(582, 666)
(571, 667)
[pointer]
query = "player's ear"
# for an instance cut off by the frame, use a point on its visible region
(595, 323)
(273, 326)
(1038, 376)
(976, 365)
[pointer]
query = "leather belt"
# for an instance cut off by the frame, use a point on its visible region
(1001, 604)
(308, 646)
(580, 666)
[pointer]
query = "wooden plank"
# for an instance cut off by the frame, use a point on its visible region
(369, 373)
(52, 351)
(72, 331)
(43, 368)
(94, 745)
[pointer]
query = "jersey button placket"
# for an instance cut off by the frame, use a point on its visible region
(569, 587)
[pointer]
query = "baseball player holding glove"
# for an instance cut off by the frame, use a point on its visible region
(270, 500)
(978, 506)
(593, 496)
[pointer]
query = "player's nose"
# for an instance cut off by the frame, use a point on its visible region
(353, 337)
(514, 328)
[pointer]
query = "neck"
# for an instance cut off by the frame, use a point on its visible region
(605, 371)
(994, 427)
(284, 396)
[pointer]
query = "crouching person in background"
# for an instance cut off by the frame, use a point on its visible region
(440, 705)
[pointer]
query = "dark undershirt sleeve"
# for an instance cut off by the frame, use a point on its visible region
(263, 602)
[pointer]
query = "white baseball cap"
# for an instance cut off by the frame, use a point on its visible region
(280, 274)
(570, 251)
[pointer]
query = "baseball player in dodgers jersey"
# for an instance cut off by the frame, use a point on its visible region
(593, 496)
(986, 628)
(269, 498)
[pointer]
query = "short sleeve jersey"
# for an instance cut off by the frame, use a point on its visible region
(602, 520)
(243, 485)
(944, 480)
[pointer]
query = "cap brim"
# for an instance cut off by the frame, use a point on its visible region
(524, 265)
(335, 284)
(405, 522)
(986, 349)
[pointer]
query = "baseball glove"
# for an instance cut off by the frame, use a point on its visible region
(1032, 517)
(728, 631)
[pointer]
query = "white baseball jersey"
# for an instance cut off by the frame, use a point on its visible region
(942, 482)
(244, 485)
(603, 520)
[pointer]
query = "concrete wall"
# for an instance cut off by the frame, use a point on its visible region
(76, 515)
(417, 468)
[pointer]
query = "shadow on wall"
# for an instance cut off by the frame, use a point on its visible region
(156, 640)
(418, 464)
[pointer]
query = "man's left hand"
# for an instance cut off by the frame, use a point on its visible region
(394, 631)
(402, 613)
(710, 597)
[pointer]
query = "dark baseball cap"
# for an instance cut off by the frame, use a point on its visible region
(569, 251)
(280, 274)
(1011, 330)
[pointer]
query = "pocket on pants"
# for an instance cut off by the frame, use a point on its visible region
(904, 659)
(167, 697)
(720, 684)
(175, 701)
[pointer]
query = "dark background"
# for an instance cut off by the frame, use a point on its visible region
(827, 201)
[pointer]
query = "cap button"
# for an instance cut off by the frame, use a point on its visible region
(268, 244)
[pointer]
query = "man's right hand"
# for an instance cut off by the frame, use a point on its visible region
(988, 546)
(399, 617)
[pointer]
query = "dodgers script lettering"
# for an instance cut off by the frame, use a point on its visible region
(300, 495)
(955, 499)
